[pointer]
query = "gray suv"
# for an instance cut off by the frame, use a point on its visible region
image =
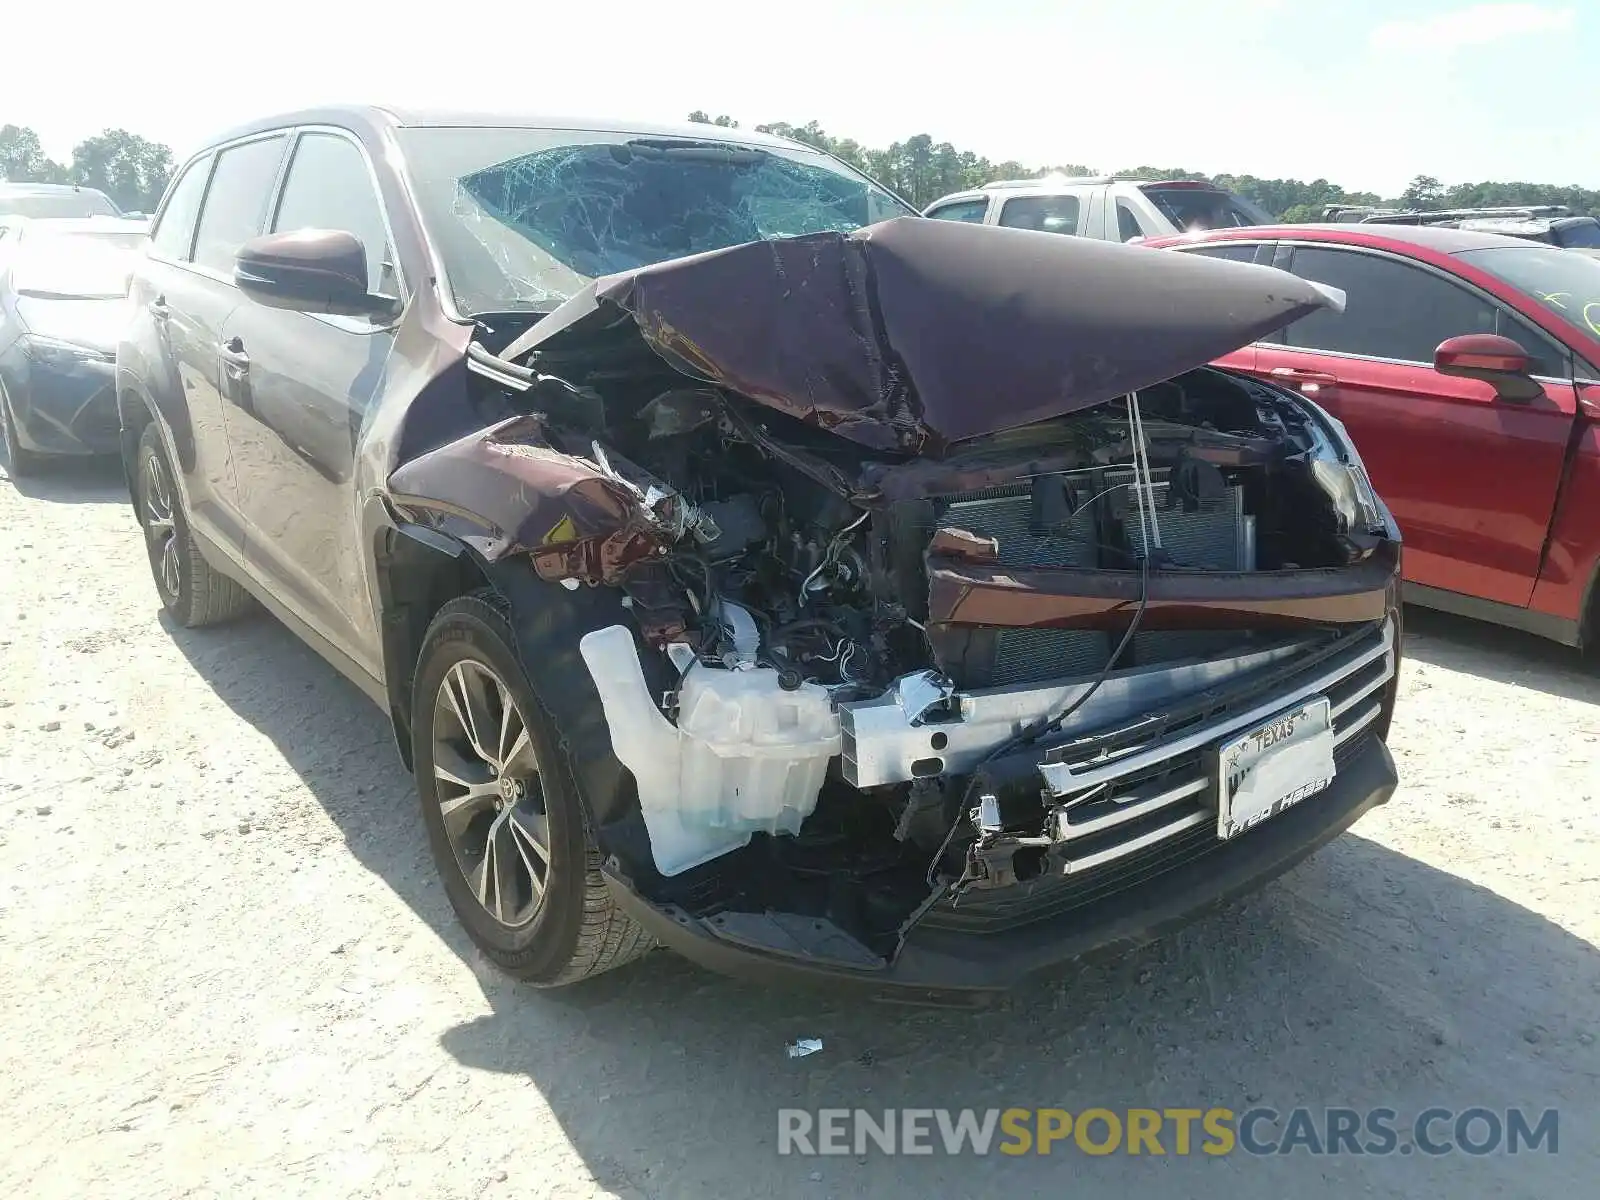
(1112, 210)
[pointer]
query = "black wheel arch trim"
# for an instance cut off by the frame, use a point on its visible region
(418, 569)
(548, 621)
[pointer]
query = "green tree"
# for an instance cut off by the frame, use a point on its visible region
(125, 166)
(724, 122)
(22, 158)
(922, 170)
(1423, 192)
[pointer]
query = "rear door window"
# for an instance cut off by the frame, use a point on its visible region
(330, 187)
(970, 211)
(1393, 310)
(236, 202)
(1049, 214)
(173, 236)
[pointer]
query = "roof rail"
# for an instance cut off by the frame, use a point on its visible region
(1043, 181)
(1526, 212)
(1352, 212)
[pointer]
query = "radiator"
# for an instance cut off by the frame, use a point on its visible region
(1218, 536)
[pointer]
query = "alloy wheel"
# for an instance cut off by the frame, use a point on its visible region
(488, 787)
(160, 531)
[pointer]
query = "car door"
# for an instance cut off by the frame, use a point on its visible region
(298, 387)
(1470, 477)
(182, 296)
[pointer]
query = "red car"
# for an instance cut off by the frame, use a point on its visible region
(1466, 367)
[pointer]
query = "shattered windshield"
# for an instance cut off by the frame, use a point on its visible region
(524, 218)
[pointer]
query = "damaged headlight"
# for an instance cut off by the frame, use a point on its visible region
(1337, 467)
(61, 353)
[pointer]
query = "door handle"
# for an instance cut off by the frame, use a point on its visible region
(1314, 384)
(158, 308)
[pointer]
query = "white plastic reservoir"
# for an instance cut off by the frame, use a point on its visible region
(745, 756)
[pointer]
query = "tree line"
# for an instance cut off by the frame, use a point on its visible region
(134, 171)
(922, 170)
(130, 169)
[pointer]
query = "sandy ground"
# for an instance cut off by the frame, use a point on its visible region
(226, 968)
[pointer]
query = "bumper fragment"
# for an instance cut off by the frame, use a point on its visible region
(939, 963)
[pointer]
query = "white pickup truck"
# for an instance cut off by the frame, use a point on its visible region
(1112, 210)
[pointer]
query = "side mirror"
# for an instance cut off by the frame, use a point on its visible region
(310, 270)
(1495, 360)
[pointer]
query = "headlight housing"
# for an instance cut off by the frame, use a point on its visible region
(1337, 467)
(61, 353)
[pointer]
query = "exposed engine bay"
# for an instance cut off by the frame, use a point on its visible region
(891, 650)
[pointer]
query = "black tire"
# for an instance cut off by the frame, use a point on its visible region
(191, 589)
(575, 931)
(21, 462)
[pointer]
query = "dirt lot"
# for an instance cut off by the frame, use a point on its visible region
(226, 969)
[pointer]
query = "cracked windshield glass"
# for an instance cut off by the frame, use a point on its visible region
(524, 218)
(1566, 281)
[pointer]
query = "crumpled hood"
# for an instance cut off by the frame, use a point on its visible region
(915, 333)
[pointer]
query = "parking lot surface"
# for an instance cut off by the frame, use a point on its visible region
(226, 968)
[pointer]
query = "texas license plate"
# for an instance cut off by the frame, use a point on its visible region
(1274, 766)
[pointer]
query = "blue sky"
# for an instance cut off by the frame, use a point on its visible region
(1364, 93)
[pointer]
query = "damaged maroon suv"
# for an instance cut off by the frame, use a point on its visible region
(752, 566)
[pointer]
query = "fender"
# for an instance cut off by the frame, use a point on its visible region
(549, 620)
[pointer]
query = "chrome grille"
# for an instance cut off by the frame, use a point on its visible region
(1144, 794)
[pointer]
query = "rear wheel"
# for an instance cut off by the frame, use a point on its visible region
(191, 590)
(19, 461)
(502, 811)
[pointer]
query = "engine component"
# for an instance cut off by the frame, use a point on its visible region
(739, 526)
(746, 756)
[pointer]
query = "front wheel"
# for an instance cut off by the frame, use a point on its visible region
(501, 807)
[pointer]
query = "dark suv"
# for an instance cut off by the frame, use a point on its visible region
(750, 565)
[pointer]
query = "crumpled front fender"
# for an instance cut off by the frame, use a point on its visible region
(507, 490)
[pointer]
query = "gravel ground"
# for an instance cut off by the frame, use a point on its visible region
(226, 969)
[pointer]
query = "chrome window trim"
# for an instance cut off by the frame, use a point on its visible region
(1417, 264)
